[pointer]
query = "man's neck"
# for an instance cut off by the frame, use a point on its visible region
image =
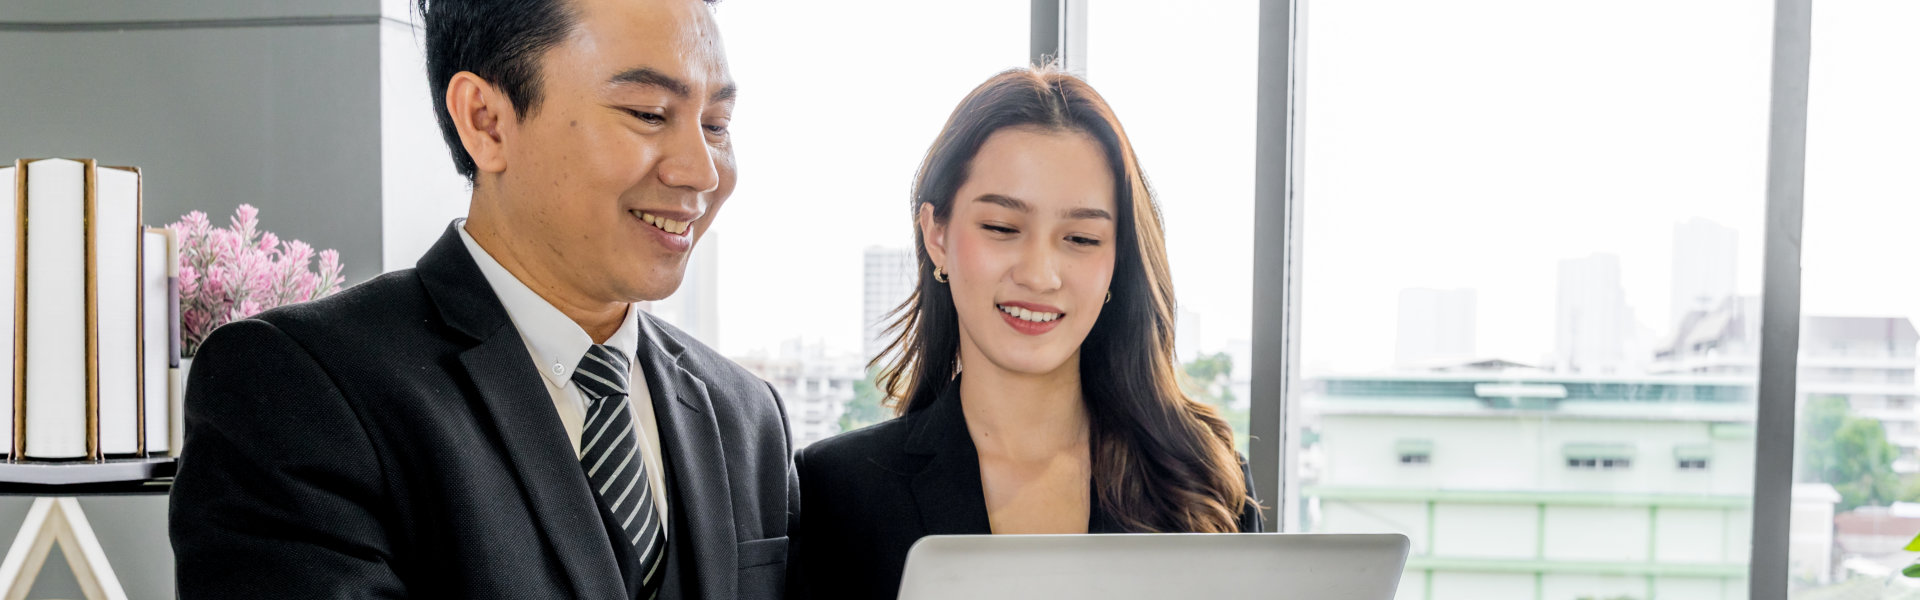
(1023, 416)
(528, 261)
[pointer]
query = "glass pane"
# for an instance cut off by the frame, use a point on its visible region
(1190, 117)
(1532, 252)
(838, 103)
(1857, 476)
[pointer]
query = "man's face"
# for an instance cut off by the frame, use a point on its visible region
(625, 162)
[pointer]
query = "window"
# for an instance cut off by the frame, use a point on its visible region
(1554, 235)
(838, 103)
(1414, 452)
(1856, 473)
(1206, 198)
(1692, 457)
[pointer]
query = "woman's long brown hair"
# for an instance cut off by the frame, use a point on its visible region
(1162, 462)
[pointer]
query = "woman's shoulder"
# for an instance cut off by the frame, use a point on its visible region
(877, 444)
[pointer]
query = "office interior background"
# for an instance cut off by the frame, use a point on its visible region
(1531, 283)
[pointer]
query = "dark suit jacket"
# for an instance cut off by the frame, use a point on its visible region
(870, 494)
(395, 441)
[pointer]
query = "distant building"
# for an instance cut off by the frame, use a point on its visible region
(1870, 361)
(1595, 333)
(1513, 484)
(888, 279)
(695, 307)
(1187, 335)
(1435, 326)
(1873, 539)
(814, 383)
(1705, 261)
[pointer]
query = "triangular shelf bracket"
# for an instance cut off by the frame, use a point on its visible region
(58, 520)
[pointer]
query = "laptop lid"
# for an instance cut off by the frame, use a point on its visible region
(1128, 566)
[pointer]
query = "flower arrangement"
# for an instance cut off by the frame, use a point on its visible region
(235, 272)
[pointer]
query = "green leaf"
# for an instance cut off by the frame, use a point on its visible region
(1914, 546)
(1912, 570)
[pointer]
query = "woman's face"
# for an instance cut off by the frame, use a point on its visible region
(1029, 249)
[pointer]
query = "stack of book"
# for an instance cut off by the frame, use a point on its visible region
(90, 305)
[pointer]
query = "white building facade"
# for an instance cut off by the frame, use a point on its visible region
(1543, 487)
(887, 279)
(1870, 361)
(814, 384)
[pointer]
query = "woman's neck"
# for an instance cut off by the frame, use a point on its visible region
(1023, 416)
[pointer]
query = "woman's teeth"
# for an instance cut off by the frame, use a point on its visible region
(662, 223)
(1028, 315)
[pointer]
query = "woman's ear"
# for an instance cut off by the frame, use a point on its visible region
(934, 235)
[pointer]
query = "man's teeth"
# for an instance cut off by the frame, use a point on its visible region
(663, 223)
(1028, 315)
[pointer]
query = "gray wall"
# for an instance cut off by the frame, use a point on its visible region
(315, 111)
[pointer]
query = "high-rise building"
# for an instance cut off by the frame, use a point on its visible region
(1594, 330)
(695, 307)
(1435, 326)
(888, 278)
(1187, 335)
(1705, 261)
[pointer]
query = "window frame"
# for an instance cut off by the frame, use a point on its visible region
(1277, 250)
(1059, 30)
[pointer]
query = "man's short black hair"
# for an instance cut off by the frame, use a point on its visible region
(499, 40)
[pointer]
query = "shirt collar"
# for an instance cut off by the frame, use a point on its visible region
(558, 344)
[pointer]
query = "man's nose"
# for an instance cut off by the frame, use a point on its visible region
(687, 161)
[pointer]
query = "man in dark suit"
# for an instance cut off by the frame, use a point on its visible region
(503, 421)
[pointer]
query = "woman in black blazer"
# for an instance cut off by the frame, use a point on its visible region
(1044, 281)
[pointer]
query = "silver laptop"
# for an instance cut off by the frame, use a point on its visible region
(1123, 567)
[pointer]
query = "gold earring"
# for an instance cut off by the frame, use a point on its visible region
(940, 274)
(1109, 295)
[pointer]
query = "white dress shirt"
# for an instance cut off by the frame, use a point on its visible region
(557, 345)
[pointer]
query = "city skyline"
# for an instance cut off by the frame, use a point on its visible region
(1438, 221)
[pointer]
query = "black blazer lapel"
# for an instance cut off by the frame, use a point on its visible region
(696, 473)
(948, 490)
(520, 408)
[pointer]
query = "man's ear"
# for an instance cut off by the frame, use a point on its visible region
(478, 110)
(933, 234)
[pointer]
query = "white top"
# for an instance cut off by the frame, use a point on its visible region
(557, 344)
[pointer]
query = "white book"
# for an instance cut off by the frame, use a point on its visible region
(56, 323)
(159, 301)
(116, 237)
(9, 269)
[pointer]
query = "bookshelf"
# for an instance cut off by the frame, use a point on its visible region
(56, 517)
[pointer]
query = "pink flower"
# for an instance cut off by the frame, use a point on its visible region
(233, 273)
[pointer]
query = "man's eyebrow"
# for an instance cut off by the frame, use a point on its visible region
(725, 93)
(649, 77)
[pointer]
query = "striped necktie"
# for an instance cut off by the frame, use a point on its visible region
(610, 453)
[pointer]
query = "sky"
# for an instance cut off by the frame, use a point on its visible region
(1468, 144)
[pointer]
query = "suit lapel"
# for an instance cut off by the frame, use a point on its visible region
(697, 483)
(521, 410)
(948, 490)
(550, 476)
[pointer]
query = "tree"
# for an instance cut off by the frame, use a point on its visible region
(1209, 378)
(867, 407)
(1849, 452)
